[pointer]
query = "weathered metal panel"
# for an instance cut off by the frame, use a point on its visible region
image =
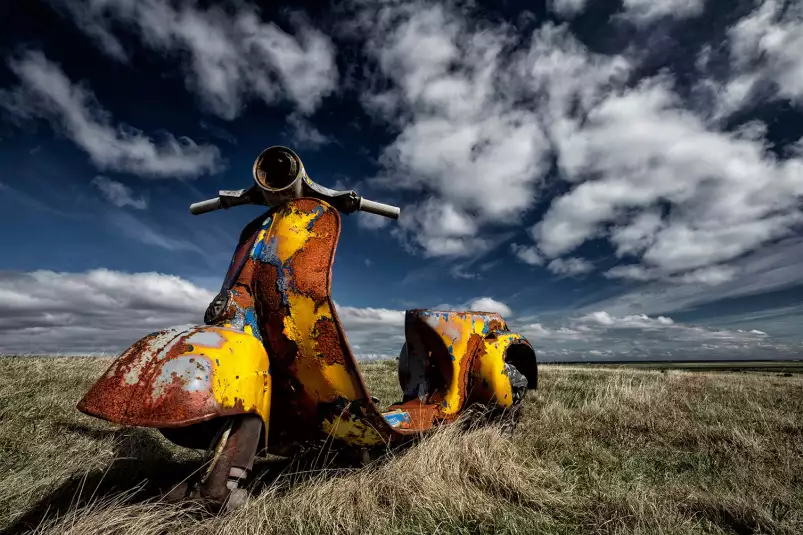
(177, 377)
(316, 379)
(450, 342)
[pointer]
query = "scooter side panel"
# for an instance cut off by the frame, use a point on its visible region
(490, 382)
(316, 380)
(178, 377)
(459, 340)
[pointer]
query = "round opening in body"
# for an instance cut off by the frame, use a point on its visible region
(277, 168)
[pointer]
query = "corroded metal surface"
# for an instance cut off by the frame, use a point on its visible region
(278, 303)
(450, 355)
(316, 380)
(178, 377)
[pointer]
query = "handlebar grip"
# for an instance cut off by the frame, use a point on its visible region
(209, 205)
(378, 208)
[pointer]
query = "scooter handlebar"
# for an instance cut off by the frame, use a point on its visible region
(379, 208)
(209, 205)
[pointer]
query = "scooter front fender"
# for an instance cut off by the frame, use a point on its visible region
(181, 376)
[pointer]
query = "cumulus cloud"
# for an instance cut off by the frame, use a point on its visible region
(765, 46)
(46, 92)
(644, 11)
(636, 321)
(104, 311)
(771, 268)
(638, 11)
(728, 195)
(97, 311)
(118, 193)
(527, 254)
(570, 266)
(489, 304)
(373, 332)
(230, 56)
(678, 196)
(440, 80)
(567, 8)
(600, 335)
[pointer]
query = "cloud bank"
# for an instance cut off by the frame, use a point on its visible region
(45, 92)
(104, 311)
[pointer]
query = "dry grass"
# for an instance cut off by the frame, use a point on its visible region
(597, 451)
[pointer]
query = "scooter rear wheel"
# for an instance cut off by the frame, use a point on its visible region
(233, 456)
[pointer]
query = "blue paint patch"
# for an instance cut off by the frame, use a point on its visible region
(246, 317)
(444, 403)
(318, 211)
(396, 418)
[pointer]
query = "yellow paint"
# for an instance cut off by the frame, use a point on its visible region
(491, 371)
(456, 332)
(324, 382)
(291, 228)
(240, 367)
(353, 431)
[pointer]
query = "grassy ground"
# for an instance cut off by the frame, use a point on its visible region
(779, 366)
(598, 451)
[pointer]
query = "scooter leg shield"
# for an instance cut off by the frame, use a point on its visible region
(181, 376)
(496, 374)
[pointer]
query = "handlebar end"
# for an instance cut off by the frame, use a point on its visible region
(209, 205)
(378, 208)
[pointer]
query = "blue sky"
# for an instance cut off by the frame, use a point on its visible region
(619, 179)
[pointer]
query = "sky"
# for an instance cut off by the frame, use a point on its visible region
(620, 180)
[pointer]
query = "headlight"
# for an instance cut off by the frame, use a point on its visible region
(277, 169)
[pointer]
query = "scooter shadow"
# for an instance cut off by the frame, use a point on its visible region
(143, 469)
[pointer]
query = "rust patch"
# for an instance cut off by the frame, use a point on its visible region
(311, 266)
(329, 343)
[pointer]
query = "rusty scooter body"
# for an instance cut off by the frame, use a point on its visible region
(271, 369)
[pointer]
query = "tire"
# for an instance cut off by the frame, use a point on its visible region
(518, 383)
(234, 448)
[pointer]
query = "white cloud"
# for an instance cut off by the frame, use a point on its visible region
(649, 10)
(639, 11)
(636, 321)
(771, 268)
(711, 275)
(567, 8)
(570, 266)
(441, 229)
(727, 193)
(230, 55)
(46, 92)
(527, 254)
(489, 304)
(96, 311)
(463, 140)
(659, 180)
(760, 61)
(766, 45)
(600, 335)
(118, 194)
(537, 333)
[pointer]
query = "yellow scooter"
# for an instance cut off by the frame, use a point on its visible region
(271, 369)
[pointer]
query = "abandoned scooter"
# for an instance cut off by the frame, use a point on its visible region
(271, 369)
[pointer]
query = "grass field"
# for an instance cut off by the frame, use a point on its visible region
(598, 450)
(781, 366)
